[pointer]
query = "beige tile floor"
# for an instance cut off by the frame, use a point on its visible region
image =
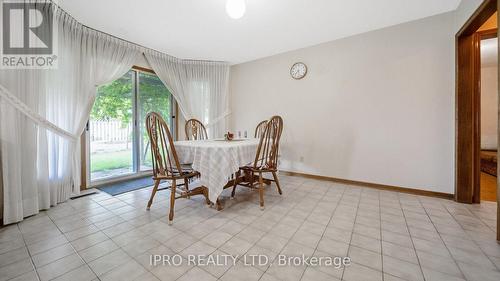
(388, 235)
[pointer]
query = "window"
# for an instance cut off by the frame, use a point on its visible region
(119, 145)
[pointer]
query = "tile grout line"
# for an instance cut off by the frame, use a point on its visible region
(254, 244)
(275, 223)
(288, 239)
(181, 232)
(136, 228)
(145, 235)
(269, 231)
(30, 257)
(216, 249)
(440, 237)
(99, 230)
(482, 220)
(69, 242)
(409, 232)
(326, 226)
(266, 232)
(493, 263)
(396, 258)
(381, 238)
(352, 231)
(219, 248)
(184, 231)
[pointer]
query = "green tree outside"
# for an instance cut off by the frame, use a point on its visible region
(114, 101)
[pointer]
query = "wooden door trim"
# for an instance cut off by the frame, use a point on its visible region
(488, 33)
(478, 36)
(467, 108)
(478, 18)
(465, 120)
(143, 69)
(498, 137)
(467, 97)
(83, 159)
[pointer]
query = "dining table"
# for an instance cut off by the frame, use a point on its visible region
(217, 160)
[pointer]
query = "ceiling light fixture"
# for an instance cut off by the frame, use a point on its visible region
(235, 8)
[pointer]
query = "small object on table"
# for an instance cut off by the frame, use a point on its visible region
(229, 136)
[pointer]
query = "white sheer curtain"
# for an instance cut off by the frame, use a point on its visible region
(43, 113)
(199, 87)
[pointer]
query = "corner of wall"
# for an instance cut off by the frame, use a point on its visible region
(463, 12)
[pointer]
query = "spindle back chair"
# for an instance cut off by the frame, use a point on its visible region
(166, 165)
(195, 130)
(259, 130)
(266, 160)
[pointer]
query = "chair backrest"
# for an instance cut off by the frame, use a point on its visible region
(195, 130)
(165, 160)
(267, 152)
(259, 130)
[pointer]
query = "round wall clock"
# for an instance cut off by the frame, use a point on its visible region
(298, 70)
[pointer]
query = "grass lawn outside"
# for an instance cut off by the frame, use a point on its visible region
(110, 160)
(107, 161)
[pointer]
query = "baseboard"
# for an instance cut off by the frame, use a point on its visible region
(374, 185)
(85, 192)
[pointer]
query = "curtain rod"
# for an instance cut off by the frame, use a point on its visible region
(119, 38)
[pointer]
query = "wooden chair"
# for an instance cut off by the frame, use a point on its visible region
(195, 130)
(166, 164)
(259, 130)
(266, 160)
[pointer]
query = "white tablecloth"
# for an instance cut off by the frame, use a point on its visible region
(216, 160)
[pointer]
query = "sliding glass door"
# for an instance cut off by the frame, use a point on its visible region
(118, 141)
(153, 96)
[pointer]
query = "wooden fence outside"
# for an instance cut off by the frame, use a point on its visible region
(110, 131)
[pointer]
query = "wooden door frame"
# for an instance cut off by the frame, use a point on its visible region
(467, 98)
(467, 107)
(479, 36)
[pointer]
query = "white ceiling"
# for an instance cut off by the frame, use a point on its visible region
(489, 52)
(201, 29)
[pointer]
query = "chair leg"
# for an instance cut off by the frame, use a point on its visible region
(205, 193)
(252, 175)
(277, 182)
(218, 205)
(186, 184)
(153, 192)
(236, 177)
(172, 202)
(261, 191)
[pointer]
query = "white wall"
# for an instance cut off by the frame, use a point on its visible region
(376, 107)
(489, 107)
(464, 11)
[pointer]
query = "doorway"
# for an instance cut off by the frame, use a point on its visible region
(488, 110)
(117, 138)
(468, 104)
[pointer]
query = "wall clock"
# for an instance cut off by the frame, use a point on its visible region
(298, 70)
